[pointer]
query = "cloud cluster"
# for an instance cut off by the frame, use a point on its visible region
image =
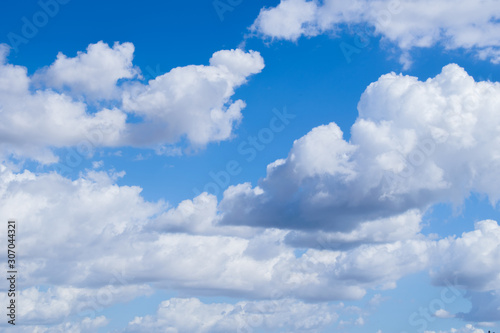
(122, 252)
(124, 242)
(126, 236)
(124, 246)
(33, 121)
(57, 304)
(471, 261)
(192, 101)
(471, 25)
(466, 329)
(53, 108)
(353, 207)
(414, 144)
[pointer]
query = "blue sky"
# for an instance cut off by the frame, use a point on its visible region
(252, 166)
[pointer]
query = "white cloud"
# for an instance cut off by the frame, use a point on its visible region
(94, 73)
(197, 216)
(289, 20)
(191, 315)
(56, 304)
(86, 211)
(408, 24)
(442, 313)
(376, 300)
(319, 190)
(414, 144)
(466, 329)
(111, 230)
(192, 102)
(471, 260)
(86, 325)
(385, 230)
(97, 164)
(31, 122)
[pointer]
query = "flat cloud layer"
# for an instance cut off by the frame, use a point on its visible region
(52, 108)
(191, 316)
(453, 24)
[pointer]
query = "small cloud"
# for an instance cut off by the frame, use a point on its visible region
(169, 151)
(359, 322)
(97, 164)
(441, 313)
(377, 299)
(117, 153)
(405, 60)
(139, 157)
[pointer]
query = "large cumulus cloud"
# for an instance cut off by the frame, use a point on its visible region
(414, 144)
(55, 106)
